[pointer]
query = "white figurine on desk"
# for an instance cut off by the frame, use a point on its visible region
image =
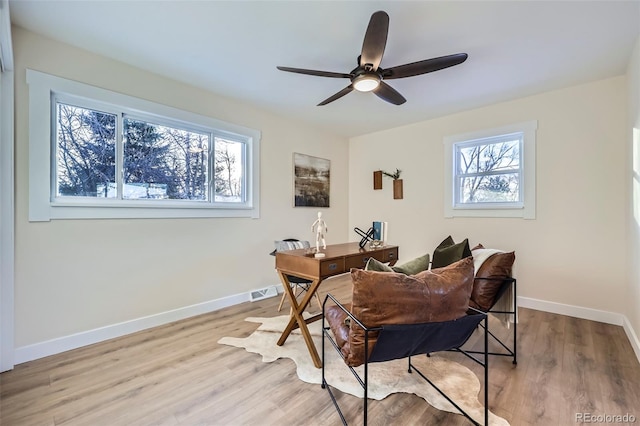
(320, 228)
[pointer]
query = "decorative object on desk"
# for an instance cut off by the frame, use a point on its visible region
(311, 181)
(456, 380)
(366, 236)
(380, 231)
(377, 179)
(320, 227)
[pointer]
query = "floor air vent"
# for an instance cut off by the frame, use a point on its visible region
(263, 293)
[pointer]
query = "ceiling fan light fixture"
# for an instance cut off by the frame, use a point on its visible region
(368, 76)
(366, 82)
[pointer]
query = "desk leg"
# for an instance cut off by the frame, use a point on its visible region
(297, 317)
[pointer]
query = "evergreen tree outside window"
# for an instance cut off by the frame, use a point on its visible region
(159, 162)
(162, 162)
(114, 156)
(85, 152)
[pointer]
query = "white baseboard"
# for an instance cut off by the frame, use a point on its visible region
(571, 310)
(585, 313)
(633, 337)
(74, 341)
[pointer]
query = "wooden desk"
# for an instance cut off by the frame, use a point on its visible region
(339, 258)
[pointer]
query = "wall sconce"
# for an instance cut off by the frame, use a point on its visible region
(397, 182)
(377, 179)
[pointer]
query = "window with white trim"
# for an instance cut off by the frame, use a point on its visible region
(99, 154)
(491, 173)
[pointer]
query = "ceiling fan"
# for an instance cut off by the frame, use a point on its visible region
(368, 76)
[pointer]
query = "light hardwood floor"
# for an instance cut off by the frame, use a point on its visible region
(178, 374)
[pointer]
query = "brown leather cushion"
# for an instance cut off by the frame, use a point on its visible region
(383, 298)
(336, 318)
(496, 266)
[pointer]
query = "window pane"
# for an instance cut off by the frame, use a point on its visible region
(229, 171)
(85, 152)
(501, 156)
(499, 188)
(161, 162)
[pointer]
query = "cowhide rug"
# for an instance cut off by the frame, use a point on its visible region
(456, 380)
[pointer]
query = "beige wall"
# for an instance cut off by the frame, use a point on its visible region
(574, 251)
(633, 146)
(75, 276)
(78, 275)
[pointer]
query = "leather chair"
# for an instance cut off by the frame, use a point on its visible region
(394, 316)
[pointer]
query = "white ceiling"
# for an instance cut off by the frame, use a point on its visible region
(516, 48)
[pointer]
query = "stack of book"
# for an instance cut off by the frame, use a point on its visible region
(380, 231)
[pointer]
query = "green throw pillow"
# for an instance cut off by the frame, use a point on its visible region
(449, 252)
(411, 267)
(374, 264)
(414, 266)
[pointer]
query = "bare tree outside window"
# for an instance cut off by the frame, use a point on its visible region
(228, 171)
(488, 172)
(491, 172)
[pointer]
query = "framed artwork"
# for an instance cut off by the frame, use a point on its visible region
(311, 179)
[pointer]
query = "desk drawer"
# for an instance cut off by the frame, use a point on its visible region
(331, 267)
(390, 255)
(360, 260)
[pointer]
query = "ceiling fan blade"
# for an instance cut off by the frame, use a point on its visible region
(375, 40)
(315, 72)
(389, 94)
(423, 67)
(338, 95)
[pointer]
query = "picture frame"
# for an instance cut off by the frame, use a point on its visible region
(311, 181)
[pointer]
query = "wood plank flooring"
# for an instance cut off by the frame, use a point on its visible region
(178, 374)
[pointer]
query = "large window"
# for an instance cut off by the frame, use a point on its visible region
(109, 155)
(491, 173)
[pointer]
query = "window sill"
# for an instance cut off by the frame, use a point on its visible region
(55, 212)
(523, 213)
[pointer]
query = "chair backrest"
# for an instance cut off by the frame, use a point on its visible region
(291, 244)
